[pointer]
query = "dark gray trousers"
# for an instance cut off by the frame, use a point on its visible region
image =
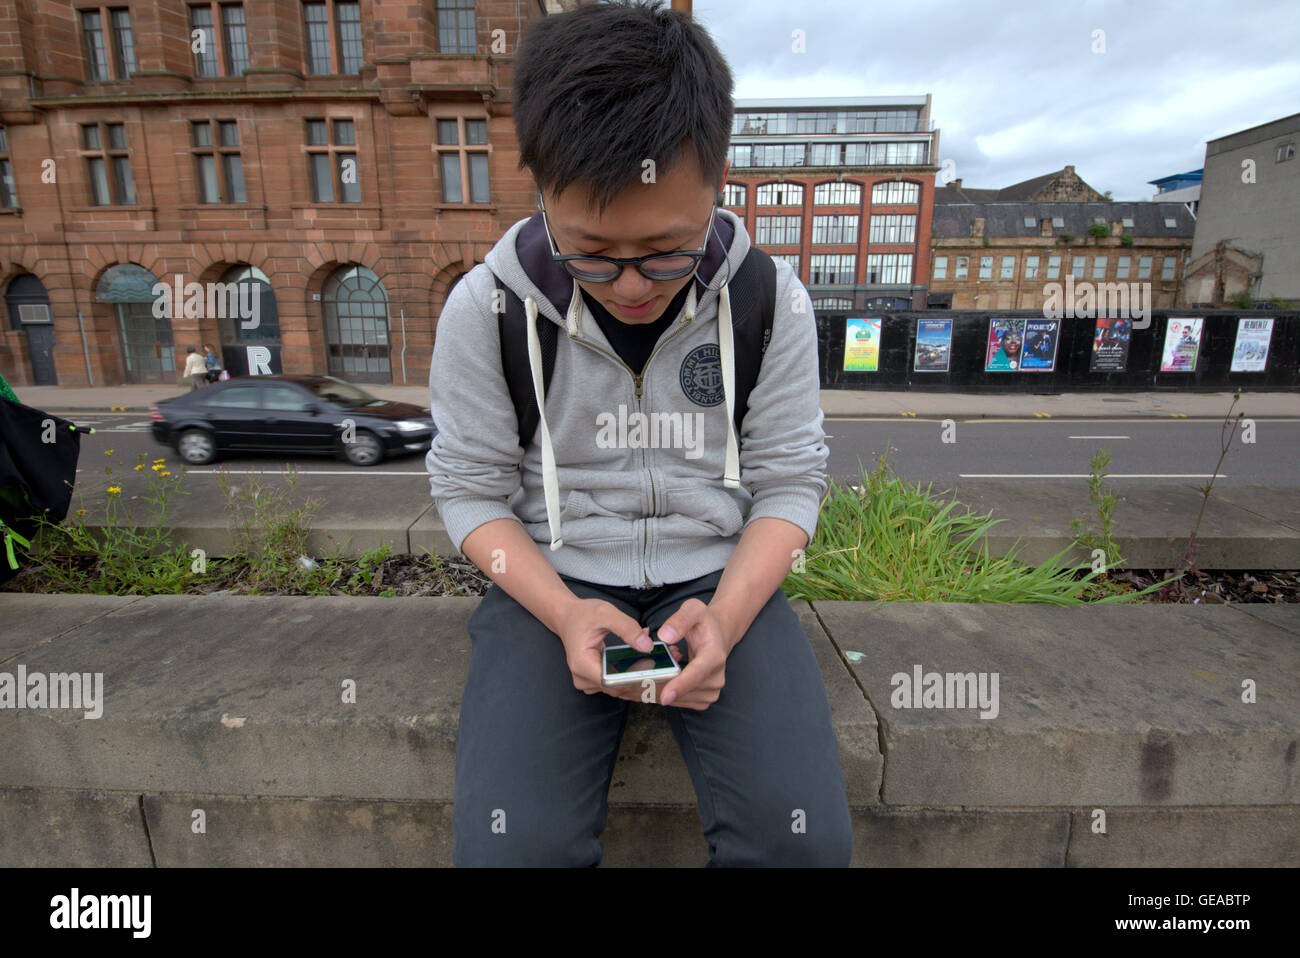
(535, 756)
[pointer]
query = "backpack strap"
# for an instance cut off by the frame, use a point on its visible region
(514, 358)
(753, 305)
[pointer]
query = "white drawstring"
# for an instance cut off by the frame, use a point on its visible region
(550, 483)
(726, 349)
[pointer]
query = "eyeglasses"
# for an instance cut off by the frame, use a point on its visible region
(659, 267)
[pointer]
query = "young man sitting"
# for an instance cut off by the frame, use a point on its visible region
(685, 540)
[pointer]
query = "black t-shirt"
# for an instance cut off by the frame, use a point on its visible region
(634, 342)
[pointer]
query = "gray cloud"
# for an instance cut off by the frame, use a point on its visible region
(1017, 90)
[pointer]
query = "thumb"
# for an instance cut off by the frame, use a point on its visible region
(632, 632)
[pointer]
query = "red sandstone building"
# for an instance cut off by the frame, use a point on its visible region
(351, 159)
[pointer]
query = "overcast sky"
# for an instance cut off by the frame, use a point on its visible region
(1016, 89)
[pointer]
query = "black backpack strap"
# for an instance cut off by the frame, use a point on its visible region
(753, 305)
(514, 358)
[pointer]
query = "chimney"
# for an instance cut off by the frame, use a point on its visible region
(977, 228)
(1069, 171)
(957, 183)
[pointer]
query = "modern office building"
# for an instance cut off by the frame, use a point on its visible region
(342, 163)
(1247, 240)
(1179, 188)
(842, 188)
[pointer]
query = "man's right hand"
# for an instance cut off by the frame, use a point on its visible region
(583, 635)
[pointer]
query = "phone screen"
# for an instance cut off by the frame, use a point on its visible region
(623, 661)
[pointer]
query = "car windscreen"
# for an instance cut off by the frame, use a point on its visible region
(342, 394)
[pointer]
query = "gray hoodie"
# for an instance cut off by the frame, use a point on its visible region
(630, 480)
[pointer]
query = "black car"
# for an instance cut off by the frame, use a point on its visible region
(300, 414)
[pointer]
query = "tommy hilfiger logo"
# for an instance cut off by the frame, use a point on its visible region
(701, 375)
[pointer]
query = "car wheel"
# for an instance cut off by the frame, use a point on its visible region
(197, 447)
(364, 449)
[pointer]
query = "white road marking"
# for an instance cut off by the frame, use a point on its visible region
(1084, 475)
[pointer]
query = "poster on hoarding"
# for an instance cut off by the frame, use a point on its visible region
(1006, 341)
(933, 345)
(1182, 345)
(1038, 355)
(861, 345)
(1250, 355)
(1110, 342)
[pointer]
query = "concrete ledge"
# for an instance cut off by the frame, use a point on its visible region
(235, 705)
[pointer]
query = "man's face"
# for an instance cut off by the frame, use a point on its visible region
(666, 216)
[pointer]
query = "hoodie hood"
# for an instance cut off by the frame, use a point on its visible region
(523, 261)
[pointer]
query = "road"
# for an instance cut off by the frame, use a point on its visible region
(1000, 450)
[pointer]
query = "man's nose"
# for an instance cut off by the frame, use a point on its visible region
(631, 287)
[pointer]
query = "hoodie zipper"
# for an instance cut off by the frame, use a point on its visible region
(637, 379)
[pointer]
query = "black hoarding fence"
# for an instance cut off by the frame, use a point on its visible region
(1127, 358)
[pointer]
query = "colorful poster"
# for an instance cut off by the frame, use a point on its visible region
(1182, 345)
(1039, 352)
(1250, 355)
(1006, 340)
(861, 345)
(933, 345)
(1110, 342)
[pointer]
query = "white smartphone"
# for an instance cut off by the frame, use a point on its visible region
(625, 665)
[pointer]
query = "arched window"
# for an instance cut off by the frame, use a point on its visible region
(837, 194)
(238, 330)
(29, 311)
(146, 338)
(780, 194)
(733, 194)
(356, 325)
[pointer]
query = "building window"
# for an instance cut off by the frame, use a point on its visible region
(1030, 222)
(832, 302)
(791, 258)
(895, 194)
(1285, 151)
(1053, 267)
(1167, 270)
(1099, 267)
(1076, 270)
(986, 267)
(8, 196)
(458, 163)
(1008, 267)
(1144, 267)
(941, 267)
(1031, 267)
(827, 154)
(332, 161)
(832, 268)
(231, 51)
(962, 263)
(97, 43)
(235, 33)
(835, 229)
(893, 228)
(1058, 222)
(108, 163)
(1127, 222)
(217, 159)
(456, 26)
(1170, 223)
(204, 38)
(779, 194)
(347, 26)
(889, 269)
(778, 230)
(837, 194)
(1121, 267)
(733, 195)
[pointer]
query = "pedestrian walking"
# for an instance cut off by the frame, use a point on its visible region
(195, 368)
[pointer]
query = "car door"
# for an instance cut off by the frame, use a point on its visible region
(294, 419)
(235, 414)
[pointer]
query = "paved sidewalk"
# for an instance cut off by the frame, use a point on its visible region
(835, 402)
